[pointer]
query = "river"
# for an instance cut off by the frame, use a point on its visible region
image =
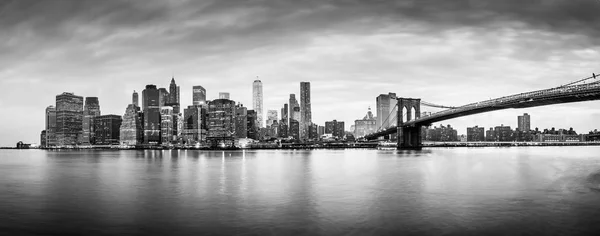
(436, 191)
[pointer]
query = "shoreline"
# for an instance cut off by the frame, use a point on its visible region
(331, 146)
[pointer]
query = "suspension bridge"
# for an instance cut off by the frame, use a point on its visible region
(408, 129)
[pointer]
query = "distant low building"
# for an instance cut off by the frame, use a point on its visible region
(475, 134)
(335, 128)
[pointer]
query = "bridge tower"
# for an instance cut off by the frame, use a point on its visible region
(409, 137)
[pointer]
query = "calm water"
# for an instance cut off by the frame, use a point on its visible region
(476, 191)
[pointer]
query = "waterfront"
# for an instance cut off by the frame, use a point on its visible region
(505, 191)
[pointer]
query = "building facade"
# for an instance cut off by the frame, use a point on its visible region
(475, 134)
(257, 101)
(251, 124)
(221, 122)
(50, 127)
(305, 110)
(131, 130)
(335, 128)
(166, 125)
(107, 130)
(386, 111)
(223, 95)
(198, 95)
(194, 124)
(151, 109)
(367, 125)
(241, 121)
(90, 111)
(524, 122)
(69, 119)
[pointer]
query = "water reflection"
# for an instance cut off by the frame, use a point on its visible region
(305, 192)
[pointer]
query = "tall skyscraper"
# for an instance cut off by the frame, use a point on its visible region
(151, 108)
(221, 120)
(386, 110)
(223, 95)
(135, 99)
(69, 118)
(174, 102)
(199, 95)
(524, 122)
(257, 101)
(90, 111)
(50, 126)
(166, 124)
(305, 110)
(293, 113)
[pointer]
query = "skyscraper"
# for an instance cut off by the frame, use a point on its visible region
(69, 118)
(223, 95)
(174, 102)
(192, 124)
(257, 101)
(131, 130)
(305, 110)
(524, 122)
(335, 128)
(151, 108)
(198, 95)
(294, 114)
(163, 97)
(135, 99)
(90, 111)
(221, 120)
(50, 126)
(386, 110)
(241, 121)
(166, 124)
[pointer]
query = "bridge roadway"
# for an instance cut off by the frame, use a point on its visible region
(557, 95)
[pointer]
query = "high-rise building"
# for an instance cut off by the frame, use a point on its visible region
(90, 111)
(271, 117)
(335, 128)
(43, 139)
(294, 129)
(194, 124)
(107, 129)
(166, 125)
(294, 109)
(241, 121)
(69, 119)
(223, 95)
(283, 129)
(305, 110)
(366, 125)
(257, 101)
(151, 108)
(386, 111)
(163, 97)
(221, 123)
(524, 122)
(135, 100)
(321, 130)
(475, 134)
(174, 102)
(50, 126)
(252, 125)
(132, 130)
(199, 95)
(284, 113)
(313, 132)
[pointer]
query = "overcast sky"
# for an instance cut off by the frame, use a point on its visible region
(449, 52)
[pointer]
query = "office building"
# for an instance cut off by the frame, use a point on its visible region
(386, 111)
(257, 101)
(166, 125)
(107, 129)
(163, 97)
(198, 95)
(69, 119)
(50, 127)
(475, 134)
(241, 121)
(132, 130)
(90, 111)
(366, 125)
(221, 123)
(305, 110)
(194, 124)
(335, 128)
(151, 109)
(251, 125)
(503, 133)
(294, 129)
(524, 122)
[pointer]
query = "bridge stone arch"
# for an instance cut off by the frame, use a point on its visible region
(408, 104)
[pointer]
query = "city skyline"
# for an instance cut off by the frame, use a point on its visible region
(449, 59)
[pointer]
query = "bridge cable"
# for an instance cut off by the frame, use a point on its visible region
(581, 80)
(424, 103)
